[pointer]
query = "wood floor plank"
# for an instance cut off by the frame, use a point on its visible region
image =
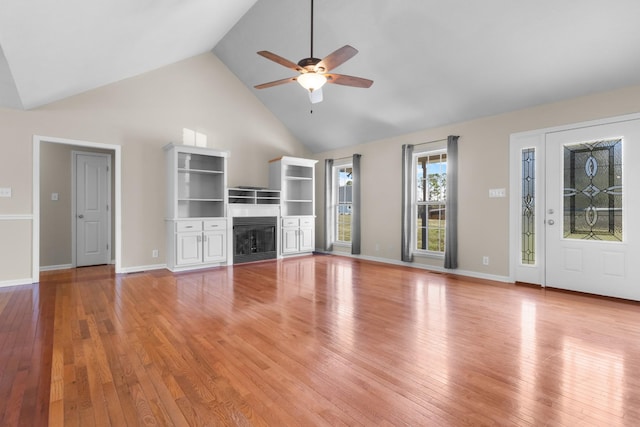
(318, 340)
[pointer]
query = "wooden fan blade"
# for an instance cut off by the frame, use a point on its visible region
(280, 60)
(276, 83)
(337, 58)
(341, 79)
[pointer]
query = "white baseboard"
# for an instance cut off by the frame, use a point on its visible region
(474, 274)
(140, 268)
(17, 282)
(55, 267)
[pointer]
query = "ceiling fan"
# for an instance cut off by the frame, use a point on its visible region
(314, 72)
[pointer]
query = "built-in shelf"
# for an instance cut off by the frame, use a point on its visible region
(196, 207)
(249, 196)
(196, 182)
(295, 178)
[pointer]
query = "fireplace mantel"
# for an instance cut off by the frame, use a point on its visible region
(253, 210)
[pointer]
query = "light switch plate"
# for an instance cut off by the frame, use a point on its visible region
(497, 192)
(5, 192)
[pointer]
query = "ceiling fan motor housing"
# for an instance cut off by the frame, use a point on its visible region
(309, 64)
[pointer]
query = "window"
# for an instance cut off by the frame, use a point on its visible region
(429, 214)
(343, 194)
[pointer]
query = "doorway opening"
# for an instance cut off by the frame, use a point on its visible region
(55, 157)
(570, 218)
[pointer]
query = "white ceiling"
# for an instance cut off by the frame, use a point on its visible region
(433, 62)
(54, 49)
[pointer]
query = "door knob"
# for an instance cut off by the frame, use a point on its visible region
(80, 216)
(551, 222)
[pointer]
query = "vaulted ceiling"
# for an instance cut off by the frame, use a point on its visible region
(433, 62)
(50, 50)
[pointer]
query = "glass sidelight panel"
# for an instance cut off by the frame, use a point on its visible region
(593, 190)
(528, 231)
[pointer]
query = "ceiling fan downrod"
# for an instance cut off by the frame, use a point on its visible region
(311, 53)
(310, 63)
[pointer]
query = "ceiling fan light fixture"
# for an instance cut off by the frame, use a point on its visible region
(312, 81)
(312, 70)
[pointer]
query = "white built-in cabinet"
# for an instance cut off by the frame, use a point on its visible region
(294, 177)
(298, 235)
(196, 207)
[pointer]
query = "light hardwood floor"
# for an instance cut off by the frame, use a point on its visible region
(318, 340)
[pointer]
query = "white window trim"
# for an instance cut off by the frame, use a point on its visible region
(421, 151)
(337, 164)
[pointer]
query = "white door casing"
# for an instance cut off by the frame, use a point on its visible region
(584, 265)
(117, 189)
(92, 208)
(520, 271)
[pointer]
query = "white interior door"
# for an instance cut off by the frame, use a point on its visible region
(592, 237)
(92, 215)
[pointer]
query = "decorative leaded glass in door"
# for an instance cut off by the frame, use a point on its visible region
(528, 206)
(593, 190)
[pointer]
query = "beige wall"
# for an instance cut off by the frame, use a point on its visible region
(484, 164)
(140, 114)
(143, 113)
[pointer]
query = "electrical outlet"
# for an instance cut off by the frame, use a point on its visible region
(154, 253)
(485, 260)
(5, 192)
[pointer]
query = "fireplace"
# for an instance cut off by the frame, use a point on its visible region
(254, 238)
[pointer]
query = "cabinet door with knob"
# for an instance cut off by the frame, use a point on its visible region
(198, 243)
(290, 240)
(189, 248)
(214, 241)
(307, 234)
(298, 235)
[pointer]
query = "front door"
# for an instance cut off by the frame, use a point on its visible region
(92, 209)
(591, 211)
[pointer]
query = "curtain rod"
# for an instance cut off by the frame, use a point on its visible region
(432, 142)
(346, 157)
